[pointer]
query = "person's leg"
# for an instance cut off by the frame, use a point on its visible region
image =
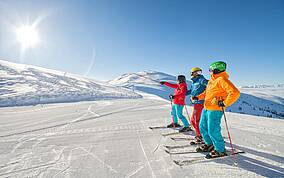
(193, 119)
(203, 125)
(198, 110)
(214, 129)
(181, 117)
(174, 113)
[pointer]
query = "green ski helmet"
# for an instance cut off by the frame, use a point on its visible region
(218, 67)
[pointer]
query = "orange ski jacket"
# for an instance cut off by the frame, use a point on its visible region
(219, 88)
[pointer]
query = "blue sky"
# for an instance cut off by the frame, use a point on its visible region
(106, 38)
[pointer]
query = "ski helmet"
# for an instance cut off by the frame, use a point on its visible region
(218, 67)
(196, 69)
(181, 78)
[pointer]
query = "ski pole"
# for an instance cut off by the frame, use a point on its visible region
(233, 152)
(187, 112)
(171, 107)
(171, 100)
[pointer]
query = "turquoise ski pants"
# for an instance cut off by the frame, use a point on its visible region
(210, 128)
(177, 113)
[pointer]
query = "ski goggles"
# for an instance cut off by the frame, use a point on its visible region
(196, 73)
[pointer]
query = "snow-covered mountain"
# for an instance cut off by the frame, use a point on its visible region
(148, 82)
(28, 85)
(256, 101)
(263, 86)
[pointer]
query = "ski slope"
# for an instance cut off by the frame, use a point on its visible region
(30, 85)
(110, 138)
(267, 102)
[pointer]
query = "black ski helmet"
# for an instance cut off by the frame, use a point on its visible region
(181, 78)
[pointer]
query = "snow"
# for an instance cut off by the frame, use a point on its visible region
(110, 138)
(29, 85)
(262, 100)
(272, 94)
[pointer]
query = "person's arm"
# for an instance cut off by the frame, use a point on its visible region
(182, 91)
(202, 95)
(231, 90)
(188, 92)
(204, 81)
(171, 85)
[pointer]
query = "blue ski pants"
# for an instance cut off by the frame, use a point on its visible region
(177, 114)
(210, 128)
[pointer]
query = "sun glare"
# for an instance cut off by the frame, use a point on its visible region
(27, 36)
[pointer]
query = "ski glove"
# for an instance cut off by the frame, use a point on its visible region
(172, 97)
(194, 98)
(162, 83)
(221, 104)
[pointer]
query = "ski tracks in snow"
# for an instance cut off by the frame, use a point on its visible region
(110, 168)
(145, 155)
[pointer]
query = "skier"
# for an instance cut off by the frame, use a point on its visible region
(199, 84)
(220, 93)
(178, 103)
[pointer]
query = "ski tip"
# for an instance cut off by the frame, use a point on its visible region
(166, 146)
(157, 127)
(167, 151)
(177, 163)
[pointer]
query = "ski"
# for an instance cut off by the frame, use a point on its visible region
(163, 127)
(176, 146)
(185, 138)
(177, 153)
(180, 152)
(203, 159)
(181, 138)
(174, 133)
(158, 127)
(196, 143)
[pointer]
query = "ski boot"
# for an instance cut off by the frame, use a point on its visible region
(173, 125)
(205, 148)
(215, 154)
(197, 140)
(185, 129)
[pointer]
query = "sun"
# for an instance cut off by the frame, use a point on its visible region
(27, 36)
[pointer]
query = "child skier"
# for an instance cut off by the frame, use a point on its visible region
(220, 93)
(199, 84)
(178, 103)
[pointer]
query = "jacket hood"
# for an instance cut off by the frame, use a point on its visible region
(222, 74)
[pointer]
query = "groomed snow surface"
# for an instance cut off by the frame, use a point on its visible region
(110, 138)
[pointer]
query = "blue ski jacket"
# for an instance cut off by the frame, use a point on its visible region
(198, 86)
